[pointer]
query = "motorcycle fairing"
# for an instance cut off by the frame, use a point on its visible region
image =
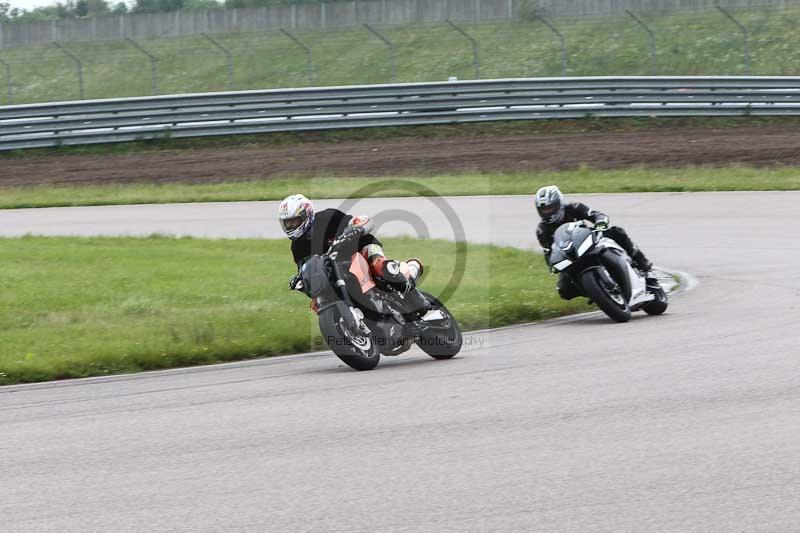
(635, 289)
(570, 241)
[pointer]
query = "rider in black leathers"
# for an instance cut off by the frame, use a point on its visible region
(555, 212)
(313, 233)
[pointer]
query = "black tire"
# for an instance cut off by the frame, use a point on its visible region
(659, 305)
(358, 352)
(441, 342)
(597, 292)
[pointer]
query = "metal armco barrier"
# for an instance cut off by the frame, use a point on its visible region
(249, 112)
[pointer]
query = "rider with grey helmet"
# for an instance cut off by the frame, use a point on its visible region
(555, 211)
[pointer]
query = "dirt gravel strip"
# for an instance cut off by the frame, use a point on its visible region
(667, 147)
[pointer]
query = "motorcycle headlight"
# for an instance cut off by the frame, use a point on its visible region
(561, 265)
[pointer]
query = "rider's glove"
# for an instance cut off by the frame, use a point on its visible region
(294, 281)
(362, 221)
(349, 232)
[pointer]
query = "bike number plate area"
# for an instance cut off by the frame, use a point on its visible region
(360, 269)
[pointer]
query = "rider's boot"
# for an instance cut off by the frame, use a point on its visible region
(415, 300)
(412, 269)
(401, 276)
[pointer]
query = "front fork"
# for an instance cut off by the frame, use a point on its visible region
(353, 316)
(605, 278)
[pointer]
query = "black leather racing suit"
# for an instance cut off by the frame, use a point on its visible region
(574, 212)
(328, 225)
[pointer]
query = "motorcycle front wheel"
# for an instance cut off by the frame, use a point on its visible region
(356, 349)
(611, 301)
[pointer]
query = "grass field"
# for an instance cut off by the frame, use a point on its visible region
(85, 307)
(693, 179)
(688, 43)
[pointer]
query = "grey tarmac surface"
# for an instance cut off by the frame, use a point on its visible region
(685, 422)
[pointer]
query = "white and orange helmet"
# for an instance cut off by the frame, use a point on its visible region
(296, 215)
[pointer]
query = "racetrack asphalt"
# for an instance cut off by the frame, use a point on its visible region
(685, 422)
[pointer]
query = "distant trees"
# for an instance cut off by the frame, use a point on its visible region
(7, 12)
(260, 3)
(91, 8)
(59, 10)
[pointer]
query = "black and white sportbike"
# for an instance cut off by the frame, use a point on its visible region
(603, 272)
(359, 321)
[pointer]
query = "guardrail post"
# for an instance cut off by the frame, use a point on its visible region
(78, 66)
(153, 63)
(392, 50)
(228, 56)
(307, 49)
(9, 81)
(476, 62)
(561, 41)
(652, 37)
(745, 38)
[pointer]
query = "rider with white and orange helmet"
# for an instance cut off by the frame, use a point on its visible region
(313, 233)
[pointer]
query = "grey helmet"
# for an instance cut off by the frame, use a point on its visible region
(550, 204)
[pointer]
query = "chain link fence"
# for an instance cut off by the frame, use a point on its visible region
(711, 42)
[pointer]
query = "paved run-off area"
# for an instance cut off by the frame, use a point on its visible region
(689, 421)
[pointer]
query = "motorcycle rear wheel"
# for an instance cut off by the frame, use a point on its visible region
(357, 350)
(441, 342)
(610, 304)
(659, 305)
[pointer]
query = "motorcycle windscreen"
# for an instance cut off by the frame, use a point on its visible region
(567, 241)
(557, 253)
(360, 269)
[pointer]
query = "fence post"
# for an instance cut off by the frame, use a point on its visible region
(560, 40)
(745, 37)
(392, 50)
(652, 36)
(475, 59)
(9, 81)
(228, 57)
(309, 59)
(78, 66)
(153, 63)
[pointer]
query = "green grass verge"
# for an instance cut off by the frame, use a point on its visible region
(688, 43)
(87, 307)
(733, 178)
